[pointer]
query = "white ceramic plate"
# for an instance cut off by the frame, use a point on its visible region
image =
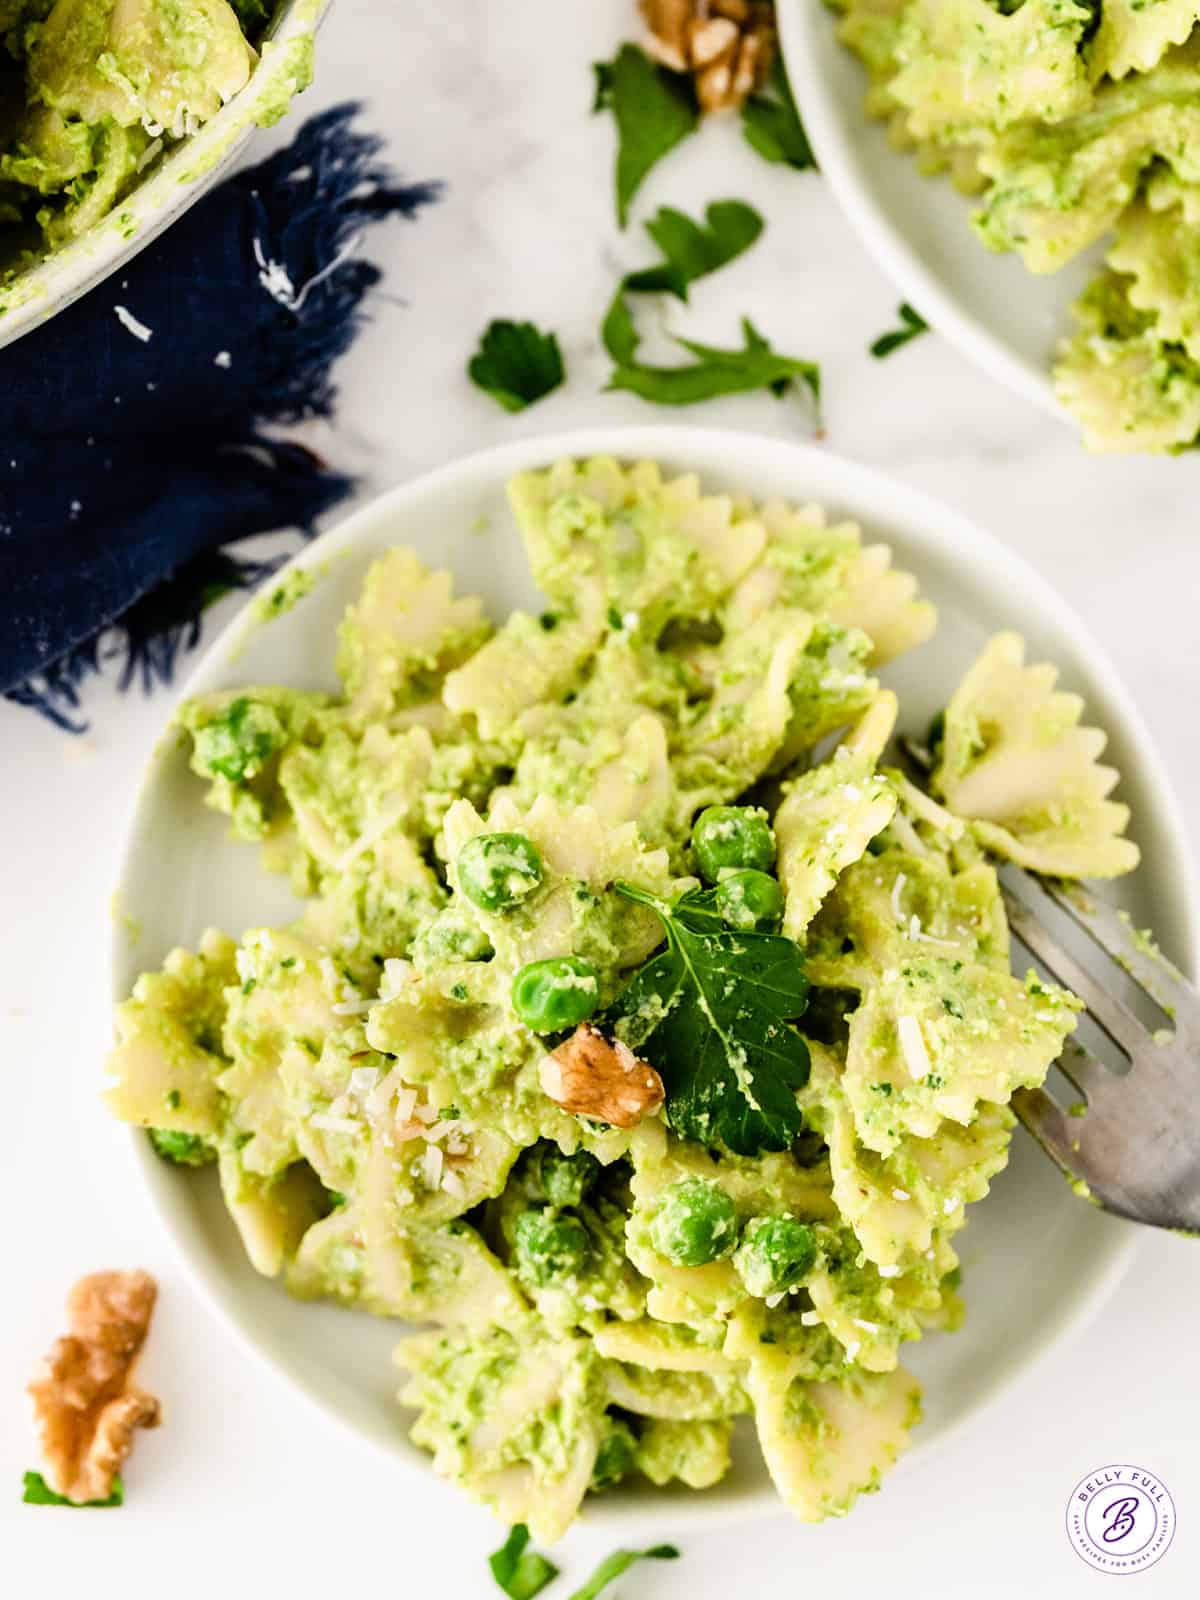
(177, 182)
(999, 315)
(1037, 1261)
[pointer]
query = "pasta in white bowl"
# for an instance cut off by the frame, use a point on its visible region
(478, 829)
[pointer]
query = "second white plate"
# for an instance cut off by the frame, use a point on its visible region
(918, 229)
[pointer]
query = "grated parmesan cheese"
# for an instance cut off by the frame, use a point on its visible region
(912, 1045)
(130, 323)
(331, 1124)
(431, 1166)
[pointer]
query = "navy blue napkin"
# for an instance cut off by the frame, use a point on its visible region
(132, 452)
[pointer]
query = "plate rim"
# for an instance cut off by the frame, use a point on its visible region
(798, 21)
(860, 485)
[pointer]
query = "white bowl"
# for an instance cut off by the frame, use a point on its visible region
(1037, 1261)
(176, 183)
(999, 314)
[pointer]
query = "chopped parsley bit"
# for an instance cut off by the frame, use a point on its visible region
(912, 324)
(614, 618)
(884, 1089)
(287, 962)
(39, 1493)
(548, 621)
(184, 1149)
(771, 124)
(173, 1099)
(250, 985)
(932, 1080)
(336, 1198)
(692, 250)
(450, 1114)
(459, 991)
(654, 110)
(714, 372)
(520, 1572)
(516, 364)
(613, 1566)
(952, 1007)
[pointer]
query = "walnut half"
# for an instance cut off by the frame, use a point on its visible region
(85, 1409)
(592, 1076)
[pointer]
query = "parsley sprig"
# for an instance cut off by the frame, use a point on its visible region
(691, 249)
(516, 364)
(654, 110)
(771, 124)
(37, 1492)
(711, 1013)
(612, 1567)
(912, 323)
(521, 1572)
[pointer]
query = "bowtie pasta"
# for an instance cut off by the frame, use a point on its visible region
(645, 1034)
(1072, 122)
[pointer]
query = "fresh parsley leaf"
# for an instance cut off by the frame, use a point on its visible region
(39, 1493)
(521, 1573)
(516, 364)
(654, 110)
(711, 1014)
(611, 1568)
(771, 124)
(691, 249)
(714, 372)
(912, 323)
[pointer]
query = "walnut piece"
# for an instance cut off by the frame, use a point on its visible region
(726, 45)
(592, 1076)
(83, 1403)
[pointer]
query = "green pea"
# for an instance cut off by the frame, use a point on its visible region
(184, 1149)
(495, 870)
(549, 1249)
(614, 1459)
(776, 1254)
(238, 743)
(750, 901)
(564, 1180)
(725, 837)
(694, 1223)
(559, 993)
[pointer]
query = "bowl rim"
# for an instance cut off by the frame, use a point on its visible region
(185, 174)
(834, 144)
(863, 492)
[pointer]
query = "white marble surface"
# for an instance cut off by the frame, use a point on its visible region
(240, 1489)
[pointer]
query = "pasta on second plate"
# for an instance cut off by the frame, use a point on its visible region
(1072, 122)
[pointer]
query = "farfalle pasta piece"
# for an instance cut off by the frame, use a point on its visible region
(896, 1204)
(658, 546)
(1134, 35)
(1158, 253)
(830, 814)
(966, 65)
(516, 1421)
(937, 1036)
(1016, 759)
(1056, 190)
(1127, 391)
(168, 1057)
(405, 631)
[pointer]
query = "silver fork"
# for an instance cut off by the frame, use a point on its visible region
(1132, 1144)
